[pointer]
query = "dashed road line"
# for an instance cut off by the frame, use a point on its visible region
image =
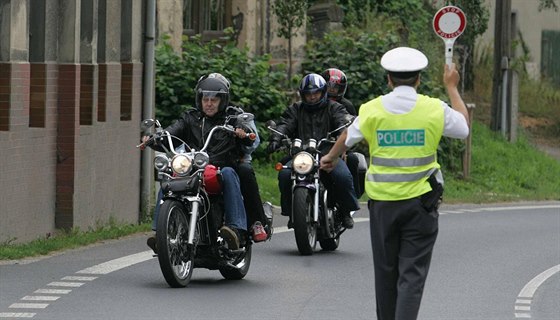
(17, 315)
(53, 291)
(66, 284)
(525, 296)
(40, 298)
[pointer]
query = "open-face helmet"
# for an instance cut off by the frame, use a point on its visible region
(336, 83)
(213, 85)
(313, 83)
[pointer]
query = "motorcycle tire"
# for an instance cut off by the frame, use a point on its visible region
(329, 244)
(240, 269)
(305, 229)
(175, 260)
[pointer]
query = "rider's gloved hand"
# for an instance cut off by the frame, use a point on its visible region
(273, 146)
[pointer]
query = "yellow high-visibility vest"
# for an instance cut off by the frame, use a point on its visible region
(402, 148)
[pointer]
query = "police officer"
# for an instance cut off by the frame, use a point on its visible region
(404, 183)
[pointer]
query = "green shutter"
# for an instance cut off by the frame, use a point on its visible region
(550, 64)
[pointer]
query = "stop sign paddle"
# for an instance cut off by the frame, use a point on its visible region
(449, 23)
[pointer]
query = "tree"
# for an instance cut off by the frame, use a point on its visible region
(291, 15)
(548, 4)
(477, 15)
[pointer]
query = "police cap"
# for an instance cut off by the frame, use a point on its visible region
(404, 60)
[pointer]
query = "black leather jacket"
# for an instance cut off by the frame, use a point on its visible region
(299, 122)
(225, 148)
(348, 105)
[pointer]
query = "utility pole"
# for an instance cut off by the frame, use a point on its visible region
(502, 53)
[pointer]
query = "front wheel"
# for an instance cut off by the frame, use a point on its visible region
(305, 228)
(239, 268)
(175, 259)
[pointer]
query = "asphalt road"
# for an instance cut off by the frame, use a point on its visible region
(490, 262)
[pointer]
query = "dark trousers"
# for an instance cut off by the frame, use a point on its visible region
(251, 194)
(403, 234)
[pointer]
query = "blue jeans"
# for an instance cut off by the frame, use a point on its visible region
(234, 215)
(339, 182)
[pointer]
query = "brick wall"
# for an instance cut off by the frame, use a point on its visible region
(56, 172)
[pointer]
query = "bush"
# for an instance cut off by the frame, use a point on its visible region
(255, 85)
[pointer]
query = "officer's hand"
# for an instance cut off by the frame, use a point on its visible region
(451, 76)
(272, 146)
(328, 162)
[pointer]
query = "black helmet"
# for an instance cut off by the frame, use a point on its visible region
(213, 85)
(336, 79)
(312, 83)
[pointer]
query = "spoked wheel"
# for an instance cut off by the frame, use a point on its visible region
(332, 241)
(305, 228)
(239, 269)
(175, 260)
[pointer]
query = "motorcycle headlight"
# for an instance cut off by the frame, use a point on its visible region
(181, 164)
(161, 162)
(303, 163)
(201, 159)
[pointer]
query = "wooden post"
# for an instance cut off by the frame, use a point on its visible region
(467, 152)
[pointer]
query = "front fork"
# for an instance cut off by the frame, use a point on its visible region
(195, 205)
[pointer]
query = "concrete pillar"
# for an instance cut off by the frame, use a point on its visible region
(68, 110)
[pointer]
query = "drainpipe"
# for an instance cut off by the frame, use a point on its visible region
(148, 109)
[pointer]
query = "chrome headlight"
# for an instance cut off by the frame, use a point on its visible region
(201, 160)
(161, 162)
(181, 164)
(303, 163)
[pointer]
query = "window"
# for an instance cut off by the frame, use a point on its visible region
(206, 17)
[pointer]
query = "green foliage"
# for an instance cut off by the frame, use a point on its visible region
(290, 14)
(255, 86)
(502, 171)
(366, 79)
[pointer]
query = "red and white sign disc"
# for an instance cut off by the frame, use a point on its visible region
(449, 22)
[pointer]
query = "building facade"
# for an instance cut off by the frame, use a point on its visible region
(70, 108)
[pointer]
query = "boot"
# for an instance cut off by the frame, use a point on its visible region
(347, 221)
(230, 236)
(151, 242)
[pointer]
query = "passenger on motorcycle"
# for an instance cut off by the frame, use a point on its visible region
(312, 118)
(337, 83)
(212, 97)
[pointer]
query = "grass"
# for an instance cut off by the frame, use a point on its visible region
(71, 239)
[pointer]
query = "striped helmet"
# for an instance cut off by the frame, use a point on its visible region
(313, 83)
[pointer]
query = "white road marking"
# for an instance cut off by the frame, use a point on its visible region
(525, 297)
(65, 284)
(120, 263)
(53, 291)
(29, 305)
(74, 278)
(40, 298)
(17, 315)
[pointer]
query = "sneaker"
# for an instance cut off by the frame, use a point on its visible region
(230, 236)
(259, 234)
(151, 242)
(347, 221)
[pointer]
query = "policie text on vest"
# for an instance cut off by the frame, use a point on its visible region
(401, 138)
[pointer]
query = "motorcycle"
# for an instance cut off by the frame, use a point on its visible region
(192, 211)
(315, 215)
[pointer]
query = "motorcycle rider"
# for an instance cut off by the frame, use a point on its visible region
(312, 118)
(212, 98)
